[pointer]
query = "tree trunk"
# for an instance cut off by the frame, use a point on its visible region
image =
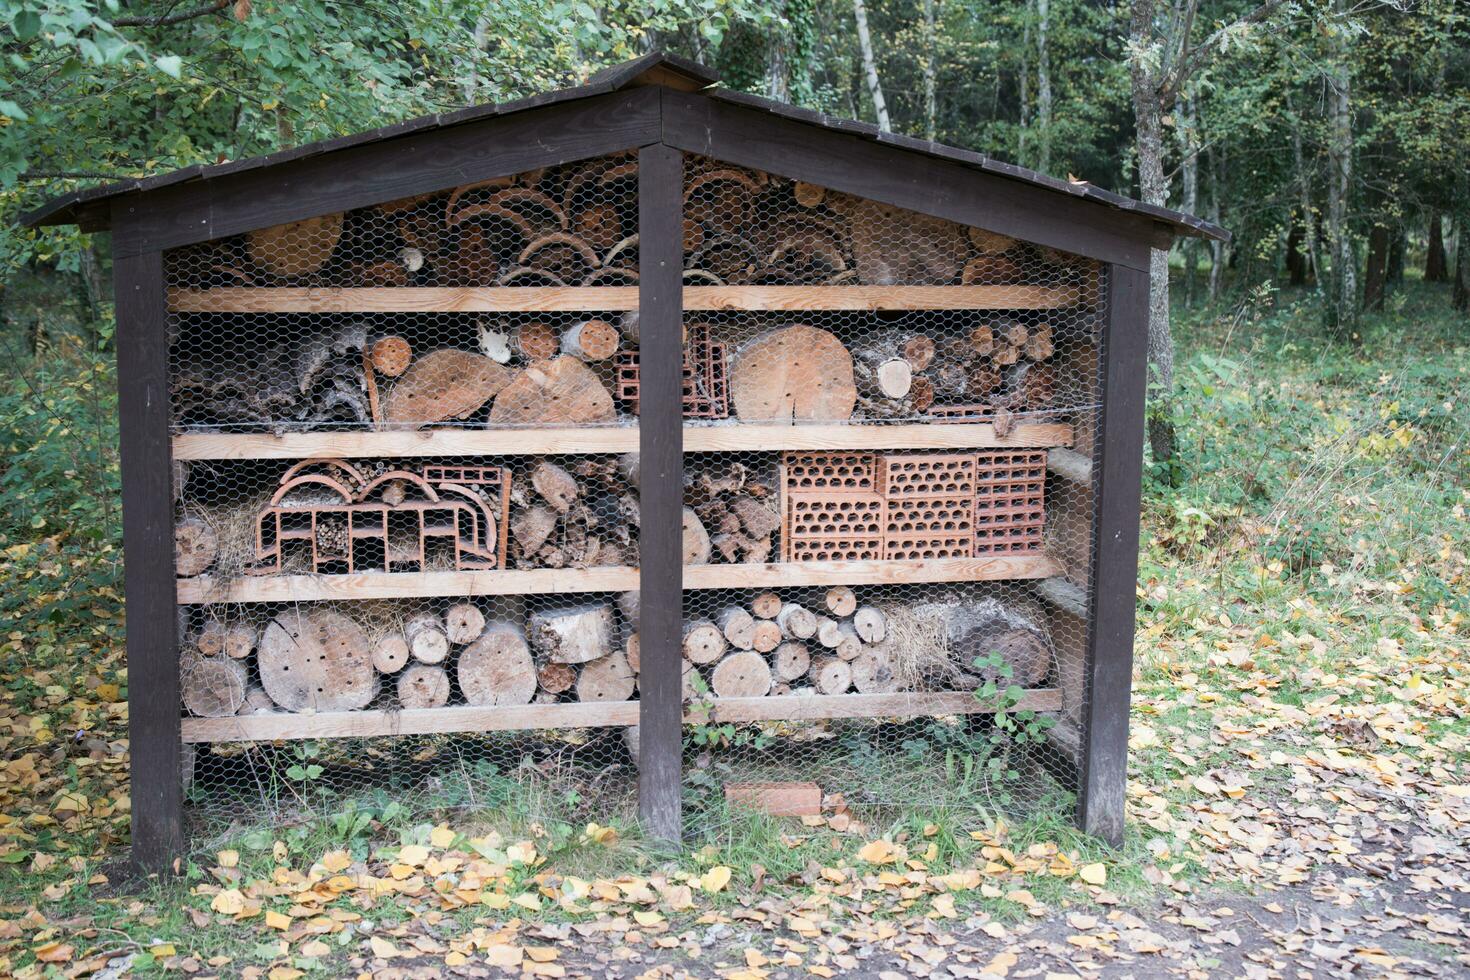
(1188, 134)
(1154, 188)
(1460, 298)
(1375, 274)
(1342, 300)
(870, 66)
(930, 72)
(1043, 86)
(1435, 266)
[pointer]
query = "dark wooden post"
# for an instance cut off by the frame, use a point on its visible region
(661, 480)
(1116, 489)
(148, 549)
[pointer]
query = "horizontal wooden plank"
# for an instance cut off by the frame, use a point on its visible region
(390, 299)
(609, 439)
(409, 721)
(405, 585)
(469, 719)
(798, 707)
(797, 573)
(481, 299)
(1018, 297)
(1065, 595)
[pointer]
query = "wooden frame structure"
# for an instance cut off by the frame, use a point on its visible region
(665, 108)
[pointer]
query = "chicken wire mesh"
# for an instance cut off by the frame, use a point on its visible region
(930, 688)
(957, 680)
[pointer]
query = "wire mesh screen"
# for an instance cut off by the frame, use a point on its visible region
(442, 629)
(910, 631)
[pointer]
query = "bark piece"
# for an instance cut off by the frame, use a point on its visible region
(919, 351)
(532, 526)
(195, 547)
(427, 640)
(463, 622)
(758, 519)
(257, 702)
(497, 667)
(795, 373)
(317, 660)
(536, 341)
(555, 485)
(423, 686)
(297, 248)
(742, 674)
(608, 678)
(572, 634)
(390, 653)
(703, 642)
(792, 660)
(556, 678)
(563, 391)
(213, 687)
(444, 385)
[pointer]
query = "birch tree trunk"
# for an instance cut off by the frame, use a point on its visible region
(1043, 86)
(930, 70)
(1188, 134)
(870, 66)
(1304, 198)
(1343, 302)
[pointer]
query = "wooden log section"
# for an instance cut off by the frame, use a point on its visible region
(796, 622)
(871, 624)
(555, 486)
(556, 678)
(234, 640)
(535, 341)
(704, 643)
(793, 374)
(608, 678)
(390, 356)
(442, 386)
(792, 660)
(766, 605)
(841, 601)
(212, 687)
(849, 644)
(591, 340)
(830, 675)
(297, 248)
(765, 636)
(196, 547)
(497, 668)
(741, 674)
(572, 634)
(427, 640)
(316, 660)
(872, 671)
(390, 653)
(828, 633)
(737, 626)
(463, 623)
(423, 686)
(562, 391)
(696, 547)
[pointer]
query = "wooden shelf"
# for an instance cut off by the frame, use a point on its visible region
(469, 719)
(612, 439)
(547, 581)
(486, 299)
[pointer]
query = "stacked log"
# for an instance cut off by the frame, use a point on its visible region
(736, 512)
(582, 515)
(320, 658)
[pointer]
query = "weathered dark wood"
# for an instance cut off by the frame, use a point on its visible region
(384, 171)
(661, 488)
(147, 504)
(1117, 476)
(846, 162)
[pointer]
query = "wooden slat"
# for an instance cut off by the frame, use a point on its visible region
(405, 585)
(1019, 297)
(797, 573)
(390, 299)
(612, 439)
(799, 707)
(1070, 465)
(465, 718)
(478, 299)
(1066, 596)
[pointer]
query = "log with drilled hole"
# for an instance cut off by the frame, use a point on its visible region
(463, 622)
(561, 391)
(423, 686)
(572, 634)
(798, 373)
(212, 687)
(830, 675)
(235, 640)
(316, 660)
(442, 386)
(427, 640)
(608, 678)
(741, 674)
(497, 668)
(196, 547)
(704, 643)
(390, 652)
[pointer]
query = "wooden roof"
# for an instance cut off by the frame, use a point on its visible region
(90, 208)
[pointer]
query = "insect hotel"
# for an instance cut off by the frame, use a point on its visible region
(681, 446)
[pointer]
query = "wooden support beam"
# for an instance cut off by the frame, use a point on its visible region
(1066, 596)
(155, 752)
(1070, 465)
(1109, 661)
(661, 489)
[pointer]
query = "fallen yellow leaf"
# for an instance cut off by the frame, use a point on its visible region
(441, 836)
(1093, 874)
(382, 948)
(228, 859)
(876, 852)
(275, 920)
(228, 902)
(335, 861)
(715, 879)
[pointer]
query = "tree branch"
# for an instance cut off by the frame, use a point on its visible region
(163, 20)
(1195, 59)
